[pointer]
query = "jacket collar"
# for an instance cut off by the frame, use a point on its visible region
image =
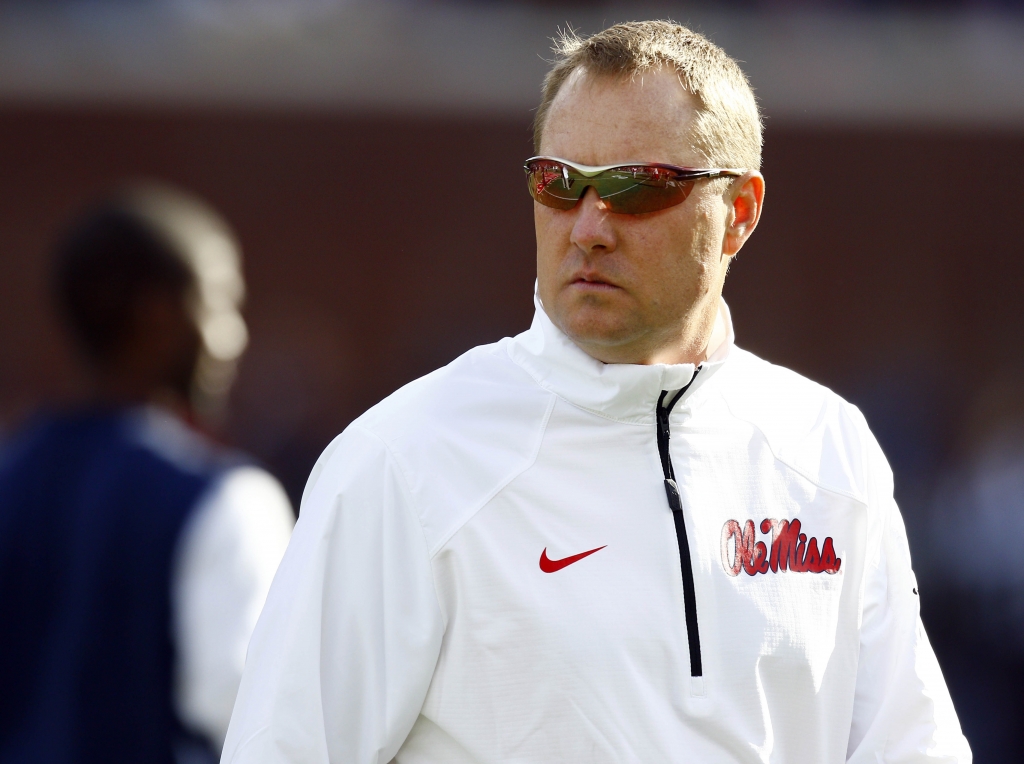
(625, 392)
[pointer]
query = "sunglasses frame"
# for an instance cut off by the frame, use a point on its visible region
(588, 171)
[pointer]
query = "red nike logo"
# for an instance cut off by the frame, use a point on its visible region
(550, 566)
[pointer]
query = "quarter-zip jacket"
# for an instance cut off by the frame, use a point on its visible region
(491, 566)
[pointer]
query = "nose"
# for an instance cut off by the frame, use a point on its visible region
(592, 230)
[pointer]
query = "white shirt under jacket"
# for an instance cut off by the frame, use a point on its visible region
(411, 618)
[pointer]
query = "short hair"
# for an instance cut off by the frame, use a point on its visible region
(727, 129)
(102, 266)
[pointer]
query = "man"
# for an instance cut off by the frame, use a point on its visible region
(135, 555)
(616, 537)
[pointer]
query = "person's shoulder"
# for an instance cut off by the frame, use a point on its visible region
(807, 426)
(140, 438)
(791, 389)
(141, 460)
(28, 437)
(456, 435)
(30, 449)
(171, 444)
(482, 387)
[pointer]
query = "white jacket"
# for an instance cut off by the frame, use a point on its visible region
(413, 617)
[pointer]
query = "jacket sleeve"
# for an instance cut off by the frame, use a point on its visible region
(903, 713)
(345, 649)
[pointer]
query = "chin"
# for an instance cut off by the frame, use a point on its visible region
(597, 328)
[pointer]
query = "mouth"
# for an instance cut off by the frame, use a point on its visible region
(592, 283)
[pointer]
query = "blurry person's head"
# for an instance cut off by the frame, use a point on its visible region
(644, 287)
(149, 285)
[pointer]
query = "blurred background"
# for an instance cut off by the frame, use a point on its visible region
(368, 156)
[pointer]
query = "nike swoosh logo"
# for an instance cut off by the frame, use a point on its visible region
(550, 566)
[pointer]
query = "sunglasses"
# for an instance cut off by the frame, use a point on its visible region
(630, 189)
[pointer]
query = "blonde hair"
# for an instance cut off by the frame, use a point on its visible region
(726, 129)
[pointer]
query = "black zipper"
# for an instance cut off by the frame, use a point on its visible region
(675, 504)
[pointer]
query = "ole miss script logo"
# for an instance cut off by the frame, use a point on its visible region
(790, 549)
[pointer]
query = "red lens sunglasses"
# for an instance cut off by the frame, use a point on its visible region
(631, 189)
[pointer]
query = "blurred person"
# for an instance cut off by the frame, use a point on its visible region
(135, 554)
(971, 564)
(617, 536)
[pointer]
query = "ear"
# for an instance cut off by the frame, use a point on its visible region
(746, 198)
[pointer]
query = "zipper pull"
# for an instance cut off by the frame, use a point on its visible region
(672, 491)
(663, 423)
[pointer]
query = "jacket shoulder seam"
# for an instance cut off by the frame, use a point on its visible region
(412, 506)
(501, 484)
(817, 482)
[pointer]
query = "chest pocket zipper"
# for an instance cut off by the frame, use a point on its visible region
(675, 504)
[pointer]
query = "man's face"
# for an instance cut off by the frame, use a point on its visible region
(632, 288)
